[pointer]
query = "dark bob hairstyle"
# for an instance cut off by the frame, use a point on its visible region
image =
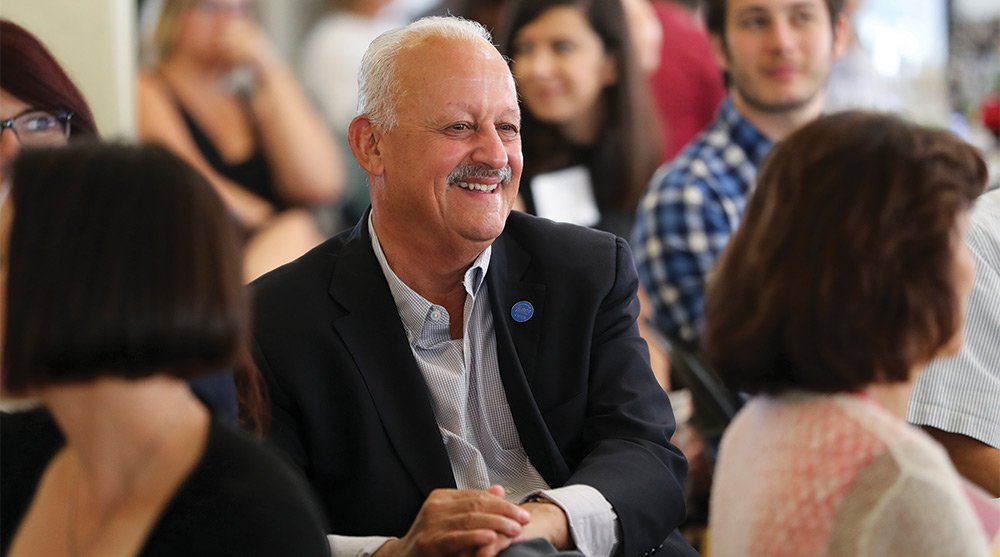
(842, 272)
(123, 261)
(30, 73)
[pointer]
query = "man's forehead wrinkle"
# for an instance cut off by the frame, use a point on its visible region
(468, 79)
(415, 80)
(460, 110)
(457, 106)
(427, 49)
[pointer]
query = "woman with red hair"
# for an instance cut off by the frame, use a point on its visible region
(38, 102)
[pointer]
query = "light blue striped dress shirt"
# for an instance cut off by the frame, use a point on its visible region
(961, 393)
(473, 416)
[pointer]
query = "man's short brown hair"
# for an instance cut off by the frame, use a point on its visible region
(715, 15)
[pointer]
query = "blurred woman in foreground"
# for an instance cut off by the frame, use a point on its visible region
(40, 106)
(848, 274)
(135, 287)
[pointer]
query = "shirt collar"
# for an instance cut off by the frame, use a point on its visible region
(411, 306)
(741, 132)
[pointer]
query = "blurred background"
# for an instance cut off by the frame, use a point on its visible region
(935, 61)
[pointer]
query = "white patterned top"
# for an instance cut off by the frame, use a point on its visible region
(836, 475)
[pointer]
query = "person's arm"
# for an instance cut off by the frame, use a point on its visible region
(680, 232)
(572, 517)
(307, 166)
(628, 458)
(458, 522)
(954, 398)
(160, 122)
(659, 358)
(355, 546)
(450, 521)
(976, 461)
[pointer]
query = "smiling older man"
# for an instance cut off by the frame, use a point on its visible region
(450, 377)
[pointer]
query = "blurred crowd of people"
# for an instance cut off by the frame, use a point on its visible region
(381, 299)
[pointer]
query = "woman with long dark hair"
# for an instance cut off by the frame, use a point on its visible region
(589, 132)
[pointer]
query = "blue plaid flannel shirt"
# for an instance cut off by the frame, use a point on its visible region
(692, 207)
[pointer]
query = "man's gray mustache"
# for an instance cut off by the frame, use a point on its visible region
(465, 172)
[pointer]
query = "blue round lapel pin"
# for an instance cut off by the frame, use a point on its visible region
(522, 311)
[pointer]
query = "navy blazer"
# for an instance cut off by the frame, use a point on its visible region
(352, 411)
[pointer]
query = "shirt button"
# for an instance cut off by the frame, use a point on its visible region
(436, 315)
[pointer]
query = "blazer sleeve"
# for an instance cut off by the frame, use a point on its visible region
(283, 429)
(629, 423)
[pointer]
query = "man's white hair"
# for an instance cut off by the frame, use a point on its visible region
(378, 86)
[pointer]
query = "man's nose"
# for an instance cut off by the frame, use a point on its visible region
(781, 36)
(490, 149)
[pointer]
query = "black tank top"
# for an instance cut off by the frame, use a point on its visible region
(252, 173)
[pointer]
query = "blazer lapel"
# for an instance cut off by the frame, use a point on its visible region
(517, 344)
(373, 333)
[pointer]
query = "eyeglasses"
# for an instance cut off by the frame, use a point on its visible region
(38, 128)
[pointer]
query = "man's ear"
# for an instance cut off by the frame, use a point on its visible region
(365, 139)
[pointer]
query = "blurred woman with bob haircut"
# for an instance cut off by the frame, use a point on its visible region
(847, 275)
(133, 286)
(41, 106)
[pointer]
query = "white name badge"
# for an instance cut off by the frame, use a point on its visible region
(566, 196)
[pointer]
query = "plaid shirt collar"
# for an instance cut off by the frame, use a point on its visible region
(742, 133)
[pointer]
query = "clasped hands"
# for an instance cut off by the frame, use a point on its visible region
(477, 523)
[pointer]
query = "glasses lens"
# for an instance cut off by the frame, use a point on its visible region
(41, 128)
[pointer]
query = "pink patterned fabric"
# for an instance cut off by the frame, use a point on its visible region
(789, 467)
(805, 489)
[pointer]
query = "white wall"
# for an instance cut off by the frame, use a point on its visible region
(93, 40)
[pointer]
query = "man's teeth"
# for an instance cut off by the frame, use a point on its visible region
(477, 187)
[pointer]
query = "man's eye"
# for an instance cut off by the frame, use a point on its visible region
(755, 22)
(461, 127)
(508, 129)
(800, 18)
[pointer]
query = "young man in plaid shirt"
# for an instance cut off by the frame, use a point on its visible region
(777, 56)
